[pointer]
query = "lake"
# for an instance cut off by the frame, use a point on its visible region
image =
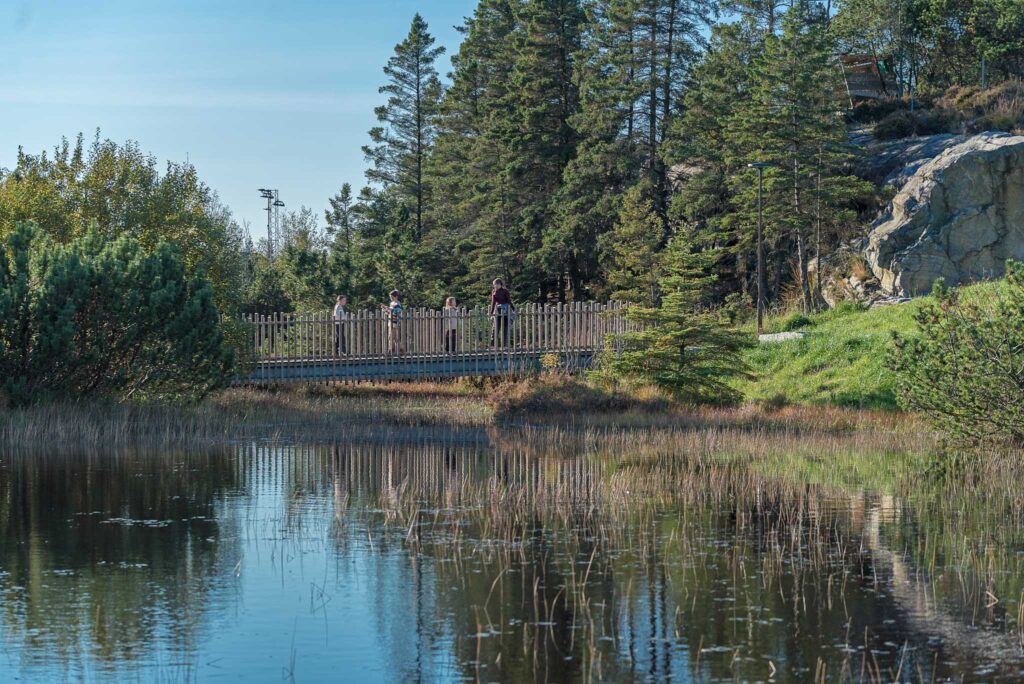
(522, 554)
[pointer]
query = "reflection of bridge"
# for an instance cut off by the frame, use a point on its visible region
(428, 344)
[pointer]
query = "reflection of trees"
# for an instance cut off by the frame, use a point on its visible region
(694, 567)
(514, 560)
(105, 551)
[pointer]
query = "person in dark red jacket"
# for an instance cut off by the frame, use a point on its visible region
(501, 308)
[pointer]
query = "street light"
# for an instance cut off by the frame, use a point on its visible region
(761, 286)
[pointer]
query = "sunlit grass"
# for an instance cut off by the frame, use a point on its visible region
(840, 362)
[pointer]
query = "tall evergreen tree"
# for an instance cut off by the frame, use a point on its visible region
(400, 146)
(632, 74)
(466, 208)
(340, 230)
(702, 146)
(632, 252)
(793, 121)
(542, 141)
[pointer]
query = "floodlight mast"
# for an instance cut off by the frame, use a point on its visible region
(270, 196)
(277, 216)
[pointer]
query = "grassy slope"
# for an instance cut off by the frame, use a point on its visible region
(840, 362)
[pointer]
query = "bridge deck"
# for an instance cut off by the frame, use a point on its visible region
(426, 344)
(425, 367)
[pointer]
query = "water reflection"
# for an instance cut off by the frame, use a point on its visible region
(467, 555)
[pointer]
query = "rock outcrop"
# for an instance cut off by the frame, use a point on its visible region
(894, 162)
(958, 217)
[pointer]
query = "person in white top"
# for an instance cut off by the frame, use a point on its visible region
(340, 316)
(451, 325)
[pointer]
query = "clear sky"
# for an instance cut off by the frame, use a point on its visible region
(253, 93)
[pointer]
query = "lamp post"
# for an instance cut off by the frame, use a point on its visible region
(760, 166)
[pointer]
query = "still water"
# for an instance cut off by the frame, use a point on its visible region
(487, 556)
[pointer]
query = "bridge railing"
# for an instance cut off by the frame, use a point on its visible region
(420, 333)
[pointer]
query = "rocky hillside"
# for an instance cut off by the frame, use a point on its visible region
(958, 214)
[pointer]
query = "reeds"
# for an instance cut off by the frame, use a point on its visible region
(586, 545)
(318, 413)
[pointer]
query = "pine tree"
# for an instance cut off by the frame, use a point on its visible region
(680, 347)
(632, 250)
(705, 150)
(539, 140)
(793, 121)
(340, 230)
(400, 146)
(632, 74)
(466, 159)
(607, 161)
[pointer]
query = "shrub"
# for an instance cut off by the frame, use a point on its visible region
(964, 369)
(870, 111)
(846, 308)
(994, 122)
(937, 120)
(100, 317)
(795, 321)
(999, 108)
(895, 125)
(902, 124)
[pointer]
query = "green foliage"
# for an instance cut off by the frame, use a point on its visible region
(118, 190)
(681, 348)
(963, 369)
(101, 317)
(632, 249)
(341, 230)
(794, 321)
(872, 111)
(400, 145)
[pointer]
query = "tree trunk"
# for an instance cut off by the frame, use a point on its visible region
(801, 256)
(780, 250)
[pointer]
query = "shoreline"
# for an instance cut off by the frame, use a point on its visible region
(322, 413)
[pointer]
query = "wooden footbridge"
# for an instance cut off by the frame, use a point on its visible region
(427, 344)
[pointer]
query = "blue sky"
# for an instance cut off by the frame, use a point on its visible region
(254, 94)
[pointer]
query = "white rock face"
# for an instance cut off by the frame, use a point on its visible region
(959, 217)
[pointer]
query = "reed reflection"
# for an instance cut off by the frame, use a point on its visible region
(579, 566)
(513, 554)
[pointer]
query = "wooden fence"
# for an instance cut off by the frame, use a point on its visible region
(424, 343)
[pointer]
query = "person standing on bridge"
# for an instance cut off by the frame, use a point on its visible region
(394, 313)
(340, 316)
(450, 317)
(502, 310)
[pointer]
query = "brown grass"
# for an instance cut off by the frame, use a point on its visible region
(315, 413)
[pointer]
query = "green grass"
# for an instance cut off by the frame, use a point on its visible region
(841, 361)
